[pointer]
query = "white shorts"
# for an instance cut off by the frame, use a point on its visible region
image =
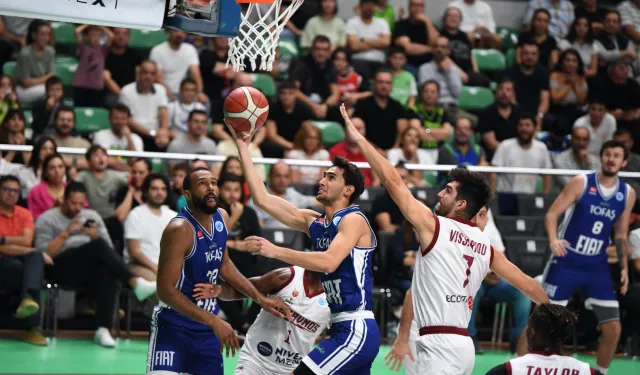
(409, 365)
(246, 366)
(445, 354)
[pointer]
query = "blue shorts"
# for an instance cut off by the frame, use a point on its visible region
(561, 281)
(351, 349)
(176, 349)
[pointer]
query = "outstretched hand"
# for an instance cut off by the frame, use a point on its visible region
(260, 246)
(242, 138)
(352, 133)
(397, 354)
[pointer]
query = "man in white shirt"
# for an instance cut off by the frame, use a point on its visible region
(600, 123)
(367, 39)
(148, 102)
(175, 59)
(119, 137)
(523, 151)
(144, 226)
(478, 23)
(179, 110)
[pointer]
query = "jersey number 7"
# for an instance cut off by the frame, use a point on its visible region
(469, 260)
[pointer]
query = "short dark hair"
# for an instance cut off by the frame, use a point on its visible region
(92, 150)
(146, 184)
(65, 108)
(396, 49)
(352, 176)
(74, 187)
(597, 99)
(609, 11)
(230, 177)
(145, 162)
(472, 188)
(504, 80)
(430, 82)
(383, 71)
(55, 80)
(180, 167)
(527, 116)
(120, 108)
(368, 1)
(614, 144)
(287, 85)
(320, 39)
(549, 327)
(186, 183)
(7, 178)
(341, 50)
(197, 112)
(187, 81)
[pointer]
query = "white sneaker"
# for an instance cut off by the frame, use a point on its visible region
(103, 338)
(144, 288)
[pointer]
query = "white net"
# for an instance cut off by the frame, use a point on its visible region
(260, 28)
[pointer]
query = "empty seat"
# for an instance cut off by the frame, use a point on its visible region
(9, 68)
(532, 226)
(66, 70)
(146, 39)
(381, 272)
(332, 132)
(365, 201)
(64, 33)
(530, 254)
(489, 60)
(264, 83)
(535, 204)
(475, 98)
(510, 57)
(509, 37)
(90, 120)
(288, 48)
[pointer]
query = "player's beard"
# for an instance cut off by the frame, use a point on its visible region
(202, 205)
(443, 210)
(607, 173)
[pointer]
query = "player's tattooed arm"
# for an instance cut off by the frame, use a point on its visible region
(268, 283)
(621, 240)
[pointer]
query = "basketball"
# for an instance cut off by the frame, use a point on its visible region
(246, 109)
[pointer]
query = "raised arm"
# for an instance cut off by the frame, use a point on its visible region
(417, 213)
(268, 283)
(512, 274)
(568, 195)
(282, 210)
(621, 228)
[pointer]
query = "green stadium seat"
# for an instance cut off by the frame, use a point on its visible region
(61, 59)
(159, 165)
(509, 37)
(489, 60)
(65, 70)
(288, 48)
(64, 33)
(332, 132)
(9, 68)
(90, 120)
(510, 57)
(28, 117)
(145, 39)
(264, 83)
(475, 98)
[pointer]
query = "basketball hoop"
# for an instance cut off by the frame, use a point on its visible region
(260, 37)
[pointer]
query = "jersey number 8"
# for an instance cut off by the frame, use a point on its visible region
(597, 227)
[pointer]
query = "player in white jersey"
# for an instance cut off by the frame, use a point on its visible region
(455, 258)
(549, 327)
(276, 346)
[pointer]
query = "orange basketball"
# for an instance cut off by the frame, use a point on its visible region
(246, 109)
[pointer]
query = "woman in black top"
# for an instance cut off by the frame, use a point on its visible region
(539, 34)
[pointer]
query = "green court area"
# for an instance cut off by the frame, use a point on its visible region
(78, 356)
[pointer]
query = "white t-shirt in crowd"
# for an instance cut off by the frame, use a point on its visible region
(143, 225)
(373, 30)
(144, 107)
(308, 175)
(634, 242)
(511, 154)
(107, 139)
(174, 63)
(477, 14)
(598, 136)
(179, 114)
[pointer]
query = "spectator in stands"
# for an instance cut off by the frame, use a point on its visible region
(78, 241)
(88, 82)
(144, 226)
(65, 125)
(278, 184)
(634, 243)
(409, 151)
(461, 46)
(523, 151)
(243, 222)
(32, 174)
(49, 192)
(620, 93)
(176, 59)
(195, 140)
(102, 184)
(351, 85)
(561, 15)
(387, 12)
(179, 110)
(462, 150)
(429, 117)
(401, 256)
(213, 70)
(404, 88)
(44, 111)
(386, 215)
(568, 90)
(36, 63)
(178, 174)
(12, 133)
(286, 117)
(350, 150)
(315, 78)
(442, 70)
(12, 38)
(575, 158)
(8, 98)
(498, 121)
(557, 139)
(630, 19)
(384, 117)
(148, 103)
(581, 39)
(367, 38)
(600, 124)
(633, 161)
(130, 196)
(531, 81)
(21, 268)
(478, 23)
(593, 12)
(120, 65)
(615, 44)
(118, 137)
(327, 23)
(416, 35)
(307, 145)
(540, 35)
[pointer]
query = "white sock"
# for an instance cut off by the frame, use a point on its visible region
(602, 370)
(103, 337)
(144, 288)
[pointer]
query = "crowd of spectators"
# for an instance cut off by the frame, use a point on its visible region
(572, 84)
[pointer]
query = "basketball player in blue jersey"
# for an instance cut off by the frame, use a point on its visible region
(343, 242)
(593, 205)
(186, 335)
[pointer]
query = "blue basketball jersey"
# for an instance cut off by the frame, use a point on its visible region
(201, 265)
(588, 223)
(348, 288)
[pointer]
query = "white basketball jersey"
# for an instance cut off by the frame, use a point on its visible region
(537, 364)
(449, 273)
(278, 345)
